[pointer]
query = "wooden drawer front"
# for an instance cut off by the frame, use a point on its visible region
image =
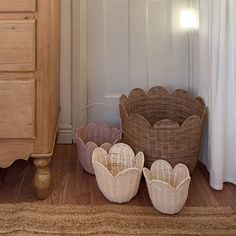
(17, 5)
(17, 45)
(17, 108)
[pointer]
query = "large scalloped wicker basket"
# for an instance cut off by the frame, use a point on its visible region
(118, 172)
(163, 125)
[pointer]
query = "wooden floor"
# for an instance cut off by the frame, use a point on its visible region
(71, 185)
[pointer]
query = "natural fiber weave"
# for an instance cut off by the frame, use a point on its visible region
(118, 172)
(49, 220)
(91, 137)
(167, 187)
(163, 125)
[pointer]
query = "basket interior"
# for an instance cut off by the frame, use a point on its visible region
(158, 107)
(115, 163)
(99, 134)
(172, 177)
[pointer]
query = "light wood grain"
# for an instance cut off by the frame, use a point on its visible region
(17, 106)
(72, 185)
(9, 149)
(17, 5)
(16, 76)
(16, 16)
(47, 74)
(17, 45)
(42, 178)
(29, 83)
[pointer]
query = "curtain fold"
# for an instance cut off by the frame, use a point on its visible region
(217, 85)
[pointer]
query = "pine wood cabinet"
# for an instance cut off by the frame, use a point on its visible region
(29, 84)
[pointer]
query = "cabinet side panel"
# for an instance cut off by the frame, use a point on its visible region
(55, 62)
(47, 74)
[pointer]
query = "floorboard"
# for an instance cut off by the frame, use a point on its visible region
(72, 185)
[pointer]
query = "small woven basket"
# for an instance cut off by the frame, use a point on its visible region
(91, 137)
(167, 187)
(163, 125)
(118, 172)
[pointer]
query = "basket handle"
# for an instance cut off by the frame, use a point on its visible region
(95, 104)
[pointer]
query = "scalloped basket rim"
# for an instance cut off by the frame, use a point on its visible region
(118, 144)
(106, 156)
(157, 181)
(112, 128)
(171, 93)
(154, 181)
(126, 146)
(177, 126)
(99, 125)
(123, 172)
(169, 165)
(124, 100)
(89, 143)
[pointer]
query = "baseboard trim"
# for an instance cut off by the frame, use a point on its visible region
(65, 136)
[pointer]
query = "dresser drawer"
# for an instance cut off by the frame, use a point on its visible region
(17, 45)
(17, 106)
(17, 5)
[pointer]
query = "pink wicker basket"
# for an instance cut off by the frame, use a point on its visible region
(91, 137)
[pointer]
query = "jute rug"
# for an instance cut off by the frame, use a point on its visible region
(34, 219)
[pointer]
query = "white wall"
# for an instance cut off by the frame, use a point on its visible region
(73, 52)
(134, 43)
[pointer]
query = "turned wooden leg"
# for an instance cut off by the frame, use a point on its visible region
(42, 177)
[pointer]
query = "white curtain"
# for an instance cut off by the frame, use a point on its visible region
(217, 84)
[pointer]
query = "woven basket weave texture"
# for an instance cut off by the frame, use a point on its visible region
(163, 125)
(167, 187)
(91, 137)
(118, 172)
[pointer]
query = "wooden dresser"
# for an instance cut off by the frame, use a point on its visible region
(29, 84)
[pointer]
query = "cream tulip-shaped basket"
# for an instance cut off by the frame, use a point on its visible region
(118, 172)
(167, 187)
